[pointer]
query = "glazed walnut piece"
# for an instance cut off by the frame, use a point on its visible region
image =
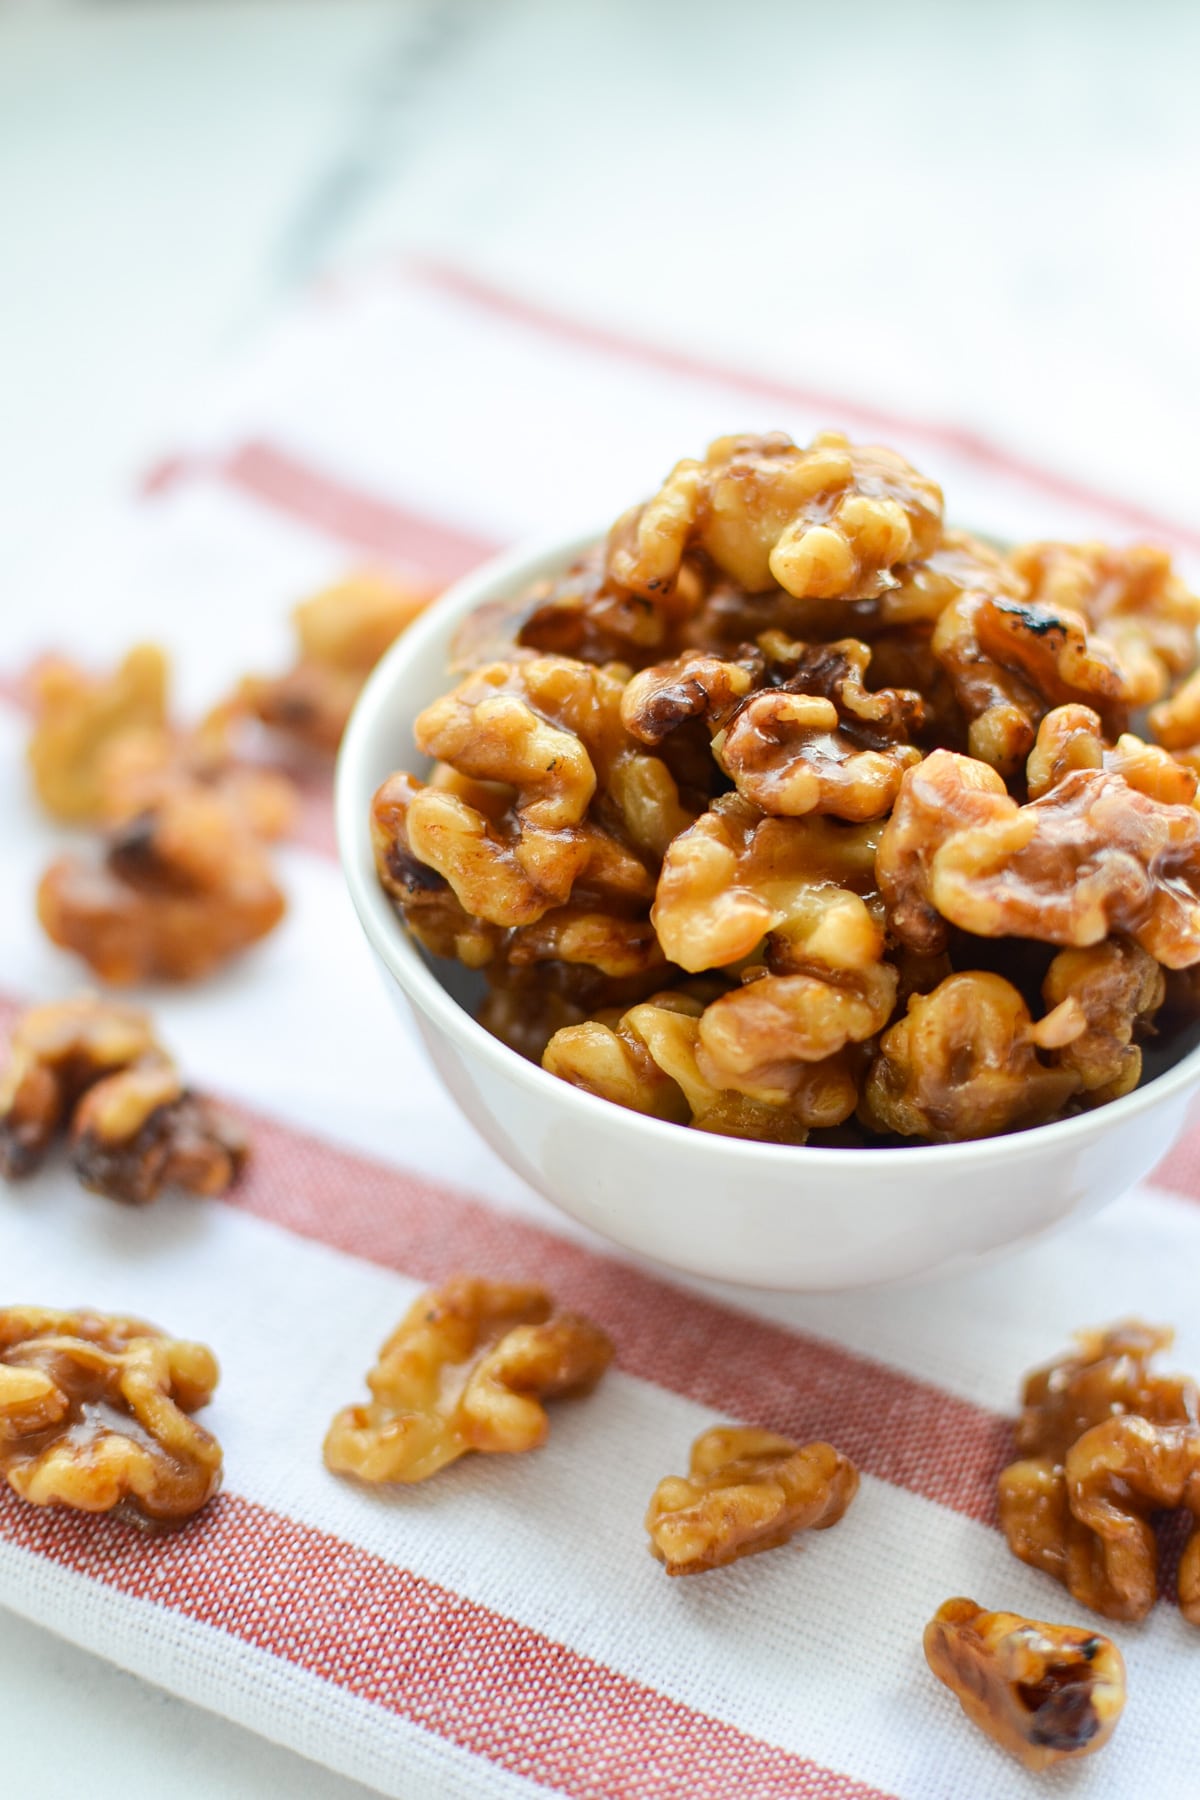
(533, 737)
(1045, 1693)
(180, 890)
(135, 1129)
(94, 1415)
(1010, 661)
(340, 635)
(962, 1063)
(651, 1060)
(466, 1369)
(1105, 1441)
(831, 521)
(1132, 599)
(1103, 996)
(746, 1491)
(1091, 857)
(736, 875)
(1072, 738)
(78, 715)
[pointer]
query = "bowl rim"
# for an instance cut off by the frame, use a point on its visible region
(497, 578)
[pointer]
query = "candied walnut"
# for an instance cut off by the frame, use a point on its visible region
(694, 685)
(138, 1133)
(1091, 857)
(746, 1491)
(142, 768)
(649, 1060)
(734, 876)
(944, 794)
(1011, 661)
(94, 1415)
(1132, 599)
(1105, 994)
(432, 910)
(791, 750)
(57, 1052)
(831, 521)
(532, 736)
(1108, 1374)
(341, 633)
(581, 614)
(78, 715)
(825, 986)
(1175, 723)
(960, 563)
(814, 738)
(180, 890)
(1105, 1441)
(963, 1063)
(466, 1369)
(1071, 737)
(135, 1129)
(1045, 1693)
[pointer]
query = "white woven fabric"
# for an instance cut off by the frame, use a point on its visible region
(503, 1631)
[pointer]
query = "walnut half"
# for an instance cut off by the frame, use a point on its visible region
(94, 1415)
(1044, 1693)
(135, 1128)
(466, 1369)
(746, 1490)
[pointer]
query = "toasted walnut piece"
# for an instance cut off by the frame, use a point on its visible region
(1045, 1693)
(1011, 661)
(1071, 738)
(827, 522)
(1107, 1375)
(341, 633)
(944, 794)
(56, 1053)
(1092, 857)
(960, 563)
(746, 1490)
(1175, 723)
(1133, 600)
(1068, 738)
(180, 891)
(136, 1134)
(432, 910)
(827, 986)
(466, 1369)
(571, 934)
(1111, 989)
(648, 1060)
(963, 1063)
(1117, 1475)
(1075, 1505)
(77, 715)
(94, 1415)
(694, 685)
(143, 767)
(135, 1129)
(581, 614)
(735, 875)
(535, 733)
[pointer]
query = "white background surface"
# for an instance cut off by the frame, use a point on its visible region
(1007, 190)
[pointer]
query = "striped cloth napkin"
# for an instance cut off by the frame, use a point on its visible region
(503, 1631)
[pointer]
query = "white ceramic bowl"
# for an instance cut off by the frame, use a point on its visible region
(776, 1216)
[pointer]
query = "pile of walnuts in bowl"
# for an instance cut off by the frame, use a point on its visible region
(791, 813)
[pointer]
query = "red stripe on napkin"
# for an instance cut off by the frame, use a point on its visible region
(378, 526)
(473, 1677)
(894, 1426)
(958, 440)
